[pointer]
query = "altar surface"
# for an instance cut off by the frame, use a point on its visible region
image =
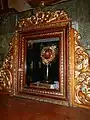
(14, 108)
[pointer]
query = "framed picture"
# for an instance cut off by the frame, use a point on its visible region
(43, 61)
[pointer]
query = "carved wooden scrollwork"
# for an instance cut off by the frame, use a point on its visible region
(79, 60)
(81, 84)
(43, 18)
(6, 70)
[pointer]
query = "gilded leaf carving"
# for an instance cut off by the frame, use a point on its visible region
(82, 75)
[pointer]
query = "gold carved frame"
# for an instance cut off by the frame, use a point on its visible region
(49, 24)
(78, 61)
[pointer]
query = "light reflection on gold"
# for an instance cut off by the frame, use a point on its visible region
(43, 17)
(81, 75)
(6, 70)
(79, 65)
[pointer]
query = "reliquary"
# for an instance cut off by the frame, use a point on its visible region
(46, 62)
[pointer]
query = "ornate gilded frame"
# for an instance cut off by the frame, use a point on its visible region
(44, 25)
(78, 68)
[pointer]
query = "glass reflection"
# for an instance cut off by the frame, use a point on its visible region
(42, 63)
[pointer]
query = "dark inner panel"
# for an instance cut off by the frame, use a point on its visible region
(36, 70)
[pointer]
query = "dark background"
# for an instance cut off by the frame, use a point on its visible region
(39, 73)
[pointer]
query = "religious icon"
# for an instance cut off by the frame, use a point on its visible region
(48, 54)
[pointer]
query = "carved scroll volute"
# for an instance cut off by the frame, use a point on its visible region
(7, 71)
(79, 72)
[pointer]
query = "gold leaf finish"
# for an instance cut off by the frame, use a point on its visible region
(6, 70)
(78, 82)
(81, 83)
(43, 18)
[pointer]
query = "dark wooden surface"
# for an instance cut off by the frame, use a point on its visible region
(36, 3)
(12, 108)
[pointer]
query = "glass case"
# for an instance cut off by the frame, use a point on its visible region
(43, 57)
(42, 63)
